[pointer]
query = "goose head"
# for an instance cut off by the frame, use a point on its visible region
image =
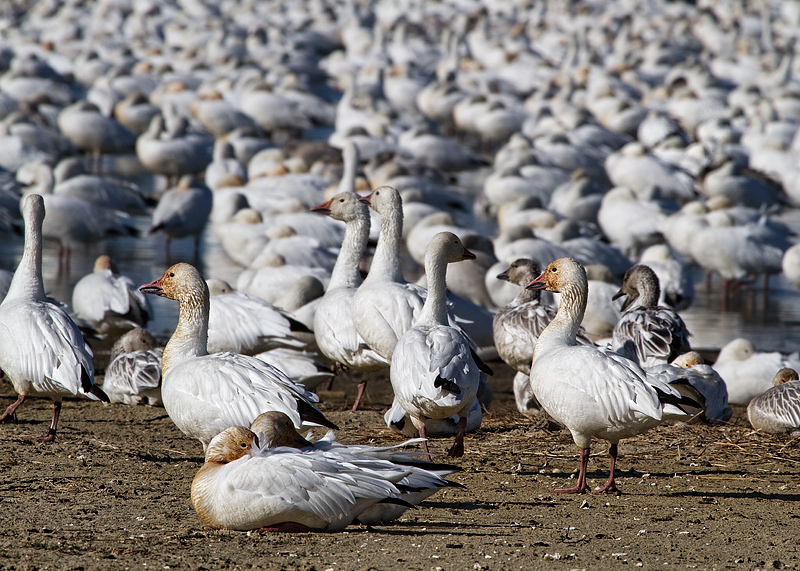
(384, 199)
(640, 280)
(560, 275)
(231, 444)
(784, 376)
(448, 246)
(181, 282)
(278, 429)
(345, 206)
(521, 272)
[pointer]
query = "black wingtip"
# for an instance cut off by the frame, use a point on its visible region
(312, 415)
(447, 385)
(483, 367)
(88, 386)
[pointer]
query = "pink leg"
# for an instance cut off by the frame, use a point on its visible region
(10, 415)
(610, 485)
(580, 485)
(362, 386)
(51, 434)
(425, 443)
(457, 450)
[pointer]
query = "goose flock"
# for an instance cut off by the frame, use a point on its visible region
(414, 192)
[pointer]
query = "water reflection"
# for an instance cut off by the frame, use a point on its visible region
(772, 324)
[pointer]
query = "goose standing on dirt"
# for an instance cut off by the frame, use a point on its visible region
(334, 330)
(424, 479)
(245, 485)
(108, 301)
(518, 325)
(43, 351)
(204, 394)
(434, 373)
(647, 332)
(593, 391)
(777, 409)
(133, 375)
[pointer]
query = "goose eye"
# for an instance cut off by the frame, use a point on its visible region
(341, 200)
(554, 270)
(244, 444)
(172, 274)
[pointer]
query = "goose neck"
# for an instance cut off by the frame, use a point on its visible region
(345, 272)
(191, 335)
(386, 261)
(563, 329)
(434, 311)
(27, 280)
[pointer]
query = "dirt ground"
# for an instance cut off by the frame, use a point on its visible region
(113, 493)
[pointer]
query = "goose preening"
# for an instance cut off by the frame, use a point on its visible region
(275, 429)
(245, 485)
(777, 409)
(204, 394)
(646, 332)
(747, 372)
(133, 374)
(334, 330)
(109, 301)
(593, 391)
(434, 372)
(44, 352)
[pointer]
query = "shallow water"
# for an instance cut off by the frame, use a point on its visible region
(772, 324)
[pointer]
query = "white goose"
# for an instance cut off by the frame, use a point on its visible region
(43, 352)
(183, 211)
(434, 373)
(647, 332)
(133, 375)
(109, 301)
(243, 323)
(246, 485)
(518, 325)
(593, 391)
(334, 330)
(204, 394)
(748, 373)
(424, 479)
(777, 409)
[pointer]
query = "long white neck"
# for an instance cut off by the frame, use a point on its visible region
(386, 261)
(191, 336)
(345, 272)
(434, 312)
(564, 326)
(27, 280)
(350, 163)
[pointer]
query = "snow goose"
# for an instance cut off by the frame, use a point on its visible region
(777, 409)
(677, 288)
(629, 222)
(748, 373)
(424, 479)
(708, 383)
(83, 124)
(245, 485)
(133, 375)
(593, 391)
(385, 305)
(183, 211)
(518, 324)
(242, 323)
(646, 332)
(204, 394)
(434, 373)
(303, 367)
(175, 153)
(43, 352)
(109, 301)
(334, 330)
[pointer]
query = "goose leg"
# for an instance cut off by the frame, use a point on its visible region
(457, 450)
(10, 415)
(362, 386)
(610, 486)
(422, 434)
(51, 434)
(580, 485)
